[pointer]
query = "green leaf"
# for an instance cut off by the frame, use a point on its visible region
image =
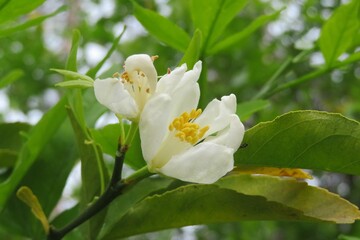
(94, 174)
(337, 34)
(75, 84)
(192, 53)
(197, 204)
(238, 37)
(161, 28)
(125, 202)
(213, 16)
(38, 137)
(5, 30)
(14, 8)
(304, 139)
(234, 198)
(312, 201)
(245, 109)
(11, 77)
(73, 75)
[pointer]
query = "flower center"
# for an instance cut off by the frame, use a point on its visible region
(185, 128)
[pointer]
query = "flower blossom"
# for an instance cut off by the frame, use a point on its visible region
(180, 141)
(127, 94)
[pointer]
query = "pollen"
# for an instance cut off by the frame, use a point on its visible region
(185, 128)
(125, 77)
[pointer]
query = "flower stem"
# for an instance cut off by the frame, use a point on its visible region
(114, 189)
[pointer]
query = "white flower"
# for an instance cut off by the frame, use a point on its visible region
(183, 142)
(127, 94)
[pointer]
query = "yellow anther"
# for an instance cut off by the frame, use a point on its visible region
(125, 77)
(186, 129)
(153, 58)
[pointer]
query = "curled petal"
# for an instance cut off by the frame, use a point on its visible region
(144, 63)
(231, 136)
(111, 93)
(203, 163)
(217, 113)
(168, 81)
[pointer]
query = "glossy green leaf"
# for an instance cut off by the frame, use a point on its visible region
(213, 16)
(337, 34)
(6, 30)
(192, 53)
(94, 174)
(11, 77)
(197, 204)
(304, 139)
(234, 198)
(161, 28)
(314, 202)
(38, 137)
(245, 109)
(12, 9)
(244, 33)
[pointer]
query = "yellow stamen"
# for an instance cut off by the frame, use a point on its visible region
(153, 58)
(125, 77)
(186, 129)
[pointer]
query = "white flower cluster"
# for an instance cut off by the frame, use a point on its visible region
(177, 139)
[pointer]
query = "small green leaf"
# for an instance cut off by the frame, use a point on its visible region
(11, 77)
(245, 109)
(75, 84)
(238, 37)
(337, 34)
(27, 196)
(304, 139)
(192, 53)
(5, 30)
(73, 75)
(161, 28)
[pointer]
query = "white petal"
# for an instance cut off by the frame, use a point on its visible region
(153, 125)
(111, 93)
(204, 163)
(230, 136)
(217, 113)
(144, 63)
(168, 81)
(185, 92)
